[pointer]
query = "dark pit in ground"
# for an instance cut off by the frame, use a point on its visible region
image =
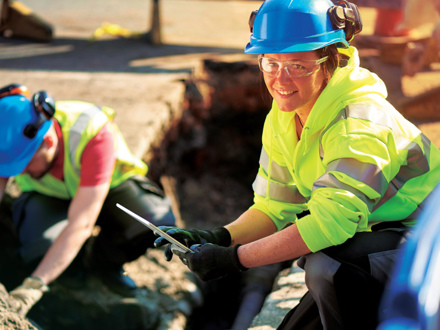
(214, 165)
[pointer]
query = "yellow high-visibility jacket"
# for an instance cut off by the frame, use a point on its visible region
(80, 122)
(358, 162)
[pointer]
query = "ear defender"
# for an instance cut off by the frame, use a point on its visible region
(45, 106)
(345, 15)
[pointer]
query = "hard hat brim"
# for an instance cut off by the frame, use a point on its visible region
(259, 47)
(18, 165)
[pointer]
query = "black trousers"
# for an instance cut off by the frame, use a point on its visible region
(346, 282)
(39, 219)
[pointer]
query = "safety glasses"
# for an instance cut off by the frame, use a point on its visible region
(295, 68)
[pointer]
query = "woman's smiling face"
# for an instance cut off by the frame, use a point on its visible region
(295, 94)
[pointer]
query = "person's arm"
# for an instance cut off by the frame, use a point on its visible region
(261, 244)
(82, 215)
(97, 163)
(210, 262)
(83, 212)
(250, 226)
(286, 244)
(97, 167)
(256, 244)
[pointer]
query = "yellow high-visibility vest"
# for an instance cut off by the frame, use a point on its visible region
(80, 122)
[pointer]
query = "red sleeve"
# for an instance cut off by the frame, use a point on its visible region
(98, 159)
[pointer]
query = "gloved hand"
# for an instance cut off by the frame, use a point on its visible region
(212, 262)
(27, 295)
(219, 236)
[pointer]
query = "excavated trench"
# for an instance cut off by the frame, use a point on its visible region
(212, 161)
(214, 186)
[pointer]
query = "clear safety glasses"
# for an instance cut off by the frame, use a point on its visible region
(294, 68)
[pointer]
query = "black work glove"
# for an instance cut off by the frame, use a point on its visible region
(212, 262)
(219, 236)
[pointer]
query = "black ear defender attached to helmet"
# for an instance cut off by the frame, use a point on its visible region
(345, 15)
(44, 104)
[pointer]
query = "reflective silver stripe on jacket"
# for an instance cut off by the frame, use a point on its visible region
(369, 174)
(281, 186)
(416, 163)
(77, 128)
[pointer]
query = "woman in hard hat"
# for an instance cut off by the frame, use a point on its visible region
(333, 149)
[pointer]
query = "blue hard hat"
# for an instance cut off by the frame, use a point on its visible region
(286, 26)
(17, 114)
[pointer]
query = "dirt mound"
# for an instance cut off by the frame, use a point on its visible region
(9, 320)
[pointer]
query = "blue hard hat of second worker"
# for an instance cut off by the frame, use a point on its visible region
(285, 26)
(23, 124)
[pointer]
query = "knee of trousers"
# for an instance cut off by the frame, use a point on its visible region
(320, 270)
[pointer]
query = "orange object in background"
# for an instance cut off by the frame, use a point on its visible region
(387, 21)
